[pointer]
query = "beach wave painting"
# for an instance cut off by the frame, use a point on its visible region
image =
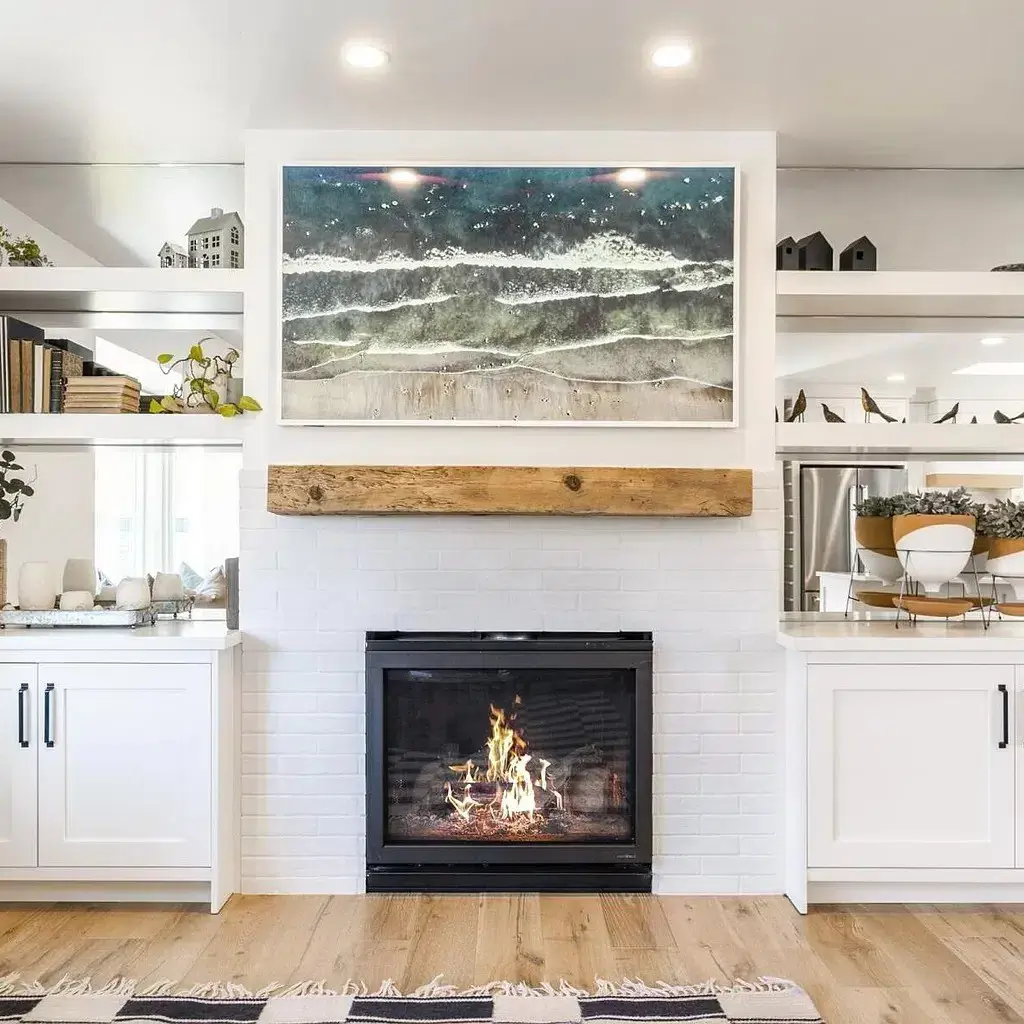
(508, 293)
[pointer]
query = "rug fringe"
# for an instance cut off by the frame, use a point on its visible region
(11, 985)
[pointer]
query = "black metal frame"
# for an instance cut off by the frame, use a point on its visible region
(618, 866)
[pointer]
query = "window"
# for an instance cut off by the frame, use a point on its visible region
(157, 509)
(234, 258)
(215, 241)
(206, 241)
(215, 260)
(192, 245)
(234, 236)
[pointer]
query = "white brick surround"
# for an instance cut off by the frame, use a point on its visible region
(708, 588)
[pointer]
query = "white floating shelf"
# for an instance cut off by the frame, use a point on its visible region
(123, 296)
(932, 296)
(902, 439)
(121, 429)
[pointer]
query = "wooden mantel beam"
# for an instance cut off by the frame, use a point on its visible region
(507, 490)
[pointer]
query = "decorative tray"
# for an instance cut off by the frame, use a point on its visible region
(93, 617)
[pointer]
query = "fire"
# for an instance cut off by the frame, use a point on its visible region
(508, 788)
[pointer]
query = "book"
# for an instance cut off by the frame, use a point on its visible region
(14, 361)
(38, 359)
(14, 330)
(56, 379)
(27, 375)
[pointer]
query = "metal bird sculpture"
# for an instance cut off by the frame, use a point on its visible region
(830, 416)
(799, 408)
(776, 414)
(949, 417)
(974, 419)
(871, 406)
(1001, 417)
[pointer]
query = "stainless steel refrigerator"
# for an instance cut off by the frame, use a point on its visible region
(819, 503)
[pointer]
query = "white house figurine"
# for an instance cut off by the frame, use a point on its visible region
(172, 255)
(214, 241)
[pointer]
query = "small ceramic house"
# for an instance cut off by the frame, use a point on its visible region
(217, 240)
(172, 255)
(859, 255)
(814, 252)
(786, 257)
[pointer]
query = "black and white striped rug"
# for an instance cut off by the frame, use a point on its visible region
(768, 1001)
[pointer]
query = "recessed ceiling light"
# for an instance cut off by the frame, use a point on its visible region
(365, 56)
(896, 377)
(631, 176)
(993, 370)
(402, 177)
(993, 341)
(672, 55)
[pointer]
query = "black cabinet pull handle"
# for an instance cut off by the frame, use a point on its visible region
(47, 719)
(22, 738)
(1005, 741)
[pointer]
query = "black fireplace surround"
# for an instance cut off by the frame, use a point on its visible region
(508, 762)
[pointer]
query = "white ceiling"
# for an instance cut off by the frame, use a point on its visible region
(844, 82)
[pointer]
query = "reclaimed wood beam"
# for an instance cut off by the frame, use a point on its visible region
(507, 490)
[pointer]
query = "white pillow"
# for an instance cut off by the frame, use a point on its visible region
(212, 588)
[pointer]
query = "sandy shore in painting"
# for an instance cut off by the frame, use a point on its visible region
(475, 396)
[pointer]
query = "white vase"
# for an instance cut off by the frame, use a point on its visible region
(36, 589)
(167, 586)
(1006, 563)
(76, 601)
(79, 574)
(133, 593)
(933, 548)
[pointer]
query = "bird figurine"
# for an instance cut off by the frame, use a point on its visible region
(950, 416)
(974, 419)
(1001, 417)
(799, 408)
(776, 414)
(830, 416)
(871, 406)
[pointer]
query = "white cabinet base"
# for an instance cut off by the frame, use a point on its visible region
(107, 892)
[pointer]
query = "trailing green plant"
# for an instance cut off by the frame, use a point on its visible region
(22, 250)
(876, 505)
(13, 490)
(1002, 518)
(200, 374)
(933, 503)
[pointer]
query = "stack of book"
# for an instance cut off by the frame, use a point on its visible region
(34, 369)
(101, 394)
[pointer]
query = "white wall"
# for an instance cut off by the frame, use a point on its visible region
(919, 220)
(57, 522)
(56, 249)
(119, 214)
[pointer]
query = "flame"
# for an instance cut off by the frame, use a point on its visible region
(508, 773)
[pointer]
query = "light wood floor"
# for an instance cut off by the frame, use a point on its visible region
(861, 965)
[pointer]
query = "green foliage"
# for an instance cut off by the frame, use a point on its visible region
(22, 250)
(875, 506)
(196, 391)
(1002, 519)
(13, 490)
(933, 503)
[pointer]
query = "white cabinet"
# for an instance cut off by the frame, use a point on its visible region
(18, 748)
(125, 765)
(908, 766)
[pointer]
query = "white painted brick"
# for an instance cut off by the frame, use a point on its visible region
(708, 589)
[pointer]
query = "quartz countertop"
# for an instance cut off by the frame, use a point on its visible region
(166, 635)
(809, 631)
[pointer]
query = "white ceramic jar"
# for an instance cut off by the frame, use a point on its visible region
(167, 586)
(79, 574)
(76, 601)
(133, 593)
(36, 589)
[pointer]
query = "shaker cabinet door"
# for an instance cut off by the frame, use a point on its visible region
(125, 765)
(19, 743)
(911, 766)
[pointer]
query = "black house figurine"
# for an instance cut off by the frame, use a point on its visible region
(814, 252)
(859, 255)
(786, 256)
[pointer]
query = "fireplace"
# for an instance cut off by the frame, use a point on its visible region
(502, 762)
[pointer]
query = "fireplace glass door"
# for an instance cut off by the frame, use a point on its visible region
(509, 756)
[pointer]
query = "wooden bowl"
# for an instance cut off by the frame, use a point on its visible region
(876, 598)
(1015, 608)
(935, 607)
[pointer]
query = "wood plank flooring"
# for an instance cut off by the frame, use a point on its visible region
(862, 965)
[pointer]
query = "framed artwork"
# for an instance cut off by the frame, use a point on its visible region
(490, 294)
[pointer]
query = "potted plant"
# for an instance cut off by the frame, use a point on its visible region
(875, 546)
(21, 252)
(207, 385)
(982, 537)
(1003, 522)
(934, 535)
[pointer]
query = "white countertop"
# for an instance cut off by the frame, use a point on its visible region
(808, 631)
(166, 635)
